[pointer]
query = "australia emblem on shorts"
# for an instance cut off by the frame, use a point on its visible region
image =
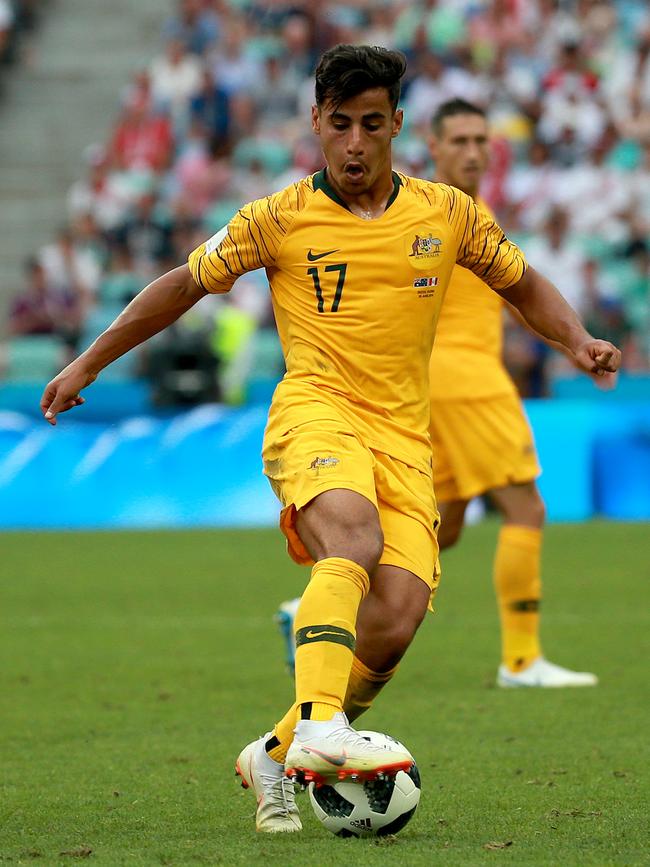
(323, 463)
(426, 246)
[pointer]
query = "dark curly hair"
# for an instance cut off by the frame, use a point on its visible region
(347, 70)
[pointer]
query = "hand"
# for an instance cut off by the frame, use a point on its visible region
(62, 393)
(598, 357)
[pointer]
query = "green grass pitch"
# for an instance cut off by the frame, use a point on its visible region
(136, 665)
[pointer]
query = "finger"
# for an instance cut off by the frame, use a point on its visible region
(48, 396)
(609, 359)
(603, 358)
(57, 405)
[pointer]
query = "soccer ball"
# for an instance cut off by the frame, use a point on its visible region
(368, 809)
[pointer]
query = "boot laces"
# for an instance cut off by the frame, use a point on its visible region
(279, 792)
(346, 735)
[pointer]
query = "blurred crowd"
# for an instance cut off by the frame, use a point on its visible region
(18, 19)
(221, 116)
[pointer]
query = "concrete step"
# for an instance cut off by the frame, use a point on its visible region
(83, 56)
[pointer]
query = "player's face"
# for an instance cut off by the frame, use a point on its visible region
(461, 151)
(356, 139)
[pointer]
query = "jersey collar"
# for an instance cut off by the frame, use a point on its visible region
(321, 183)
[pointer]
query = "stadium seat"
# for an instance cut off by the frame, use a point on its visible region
(119, 289)
(123, 368)
(99, 319)
(34, 358)
(274, 156)
(220, 215)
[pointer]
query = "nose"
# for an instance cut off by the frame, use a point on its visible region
(354, 144)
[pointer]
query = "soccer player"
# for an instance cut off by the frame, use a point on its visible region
(358, 258)
(481, 440)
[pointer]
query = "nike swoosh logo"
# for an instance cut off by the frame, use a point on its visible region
(314, 257)
(338, 761)
(311, 634)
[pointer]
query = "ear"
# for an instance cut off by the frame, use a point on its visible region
(398, 120)
(315, 119)
(432, 143)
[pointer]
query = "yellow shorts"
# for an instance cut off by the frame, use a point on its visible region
(317, 456)
(479, 445)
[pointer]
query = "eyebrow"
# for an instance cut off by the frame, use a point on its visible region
(374, 115)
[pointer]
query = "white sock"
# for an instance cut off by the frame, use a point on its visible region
(267, 764)
(309, 728)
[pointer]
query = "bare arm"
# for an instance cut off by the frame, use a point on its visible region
(158, 305)
(604, 379)
(547, 313)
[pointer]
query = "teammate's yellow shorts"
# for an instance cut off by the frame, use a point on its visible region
(479, 445)
(317, 456)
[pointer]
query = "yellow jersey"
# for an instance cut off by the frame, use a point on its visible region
(466, 361)
(356, 302)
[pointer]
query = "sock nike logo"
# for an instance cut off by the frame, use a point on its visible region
(324, 632)
(314, 257)
(338, 761)
(311, 634)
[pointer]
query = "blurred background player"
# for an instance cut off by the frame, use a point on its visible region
(481, 439)
(482, 443)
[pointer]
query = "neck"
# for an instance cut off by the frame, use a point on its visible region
(371, 203)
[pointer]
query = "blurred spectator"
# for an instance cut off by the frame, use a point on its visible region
(442, 23)
(203, 175)
(496, 27)
(604, 313)
(233, 66)
(209, 107)
(176, 76)
(196, 26)
(528, 186)
(434, 84)
(103, 193)
(6, 26)
(300, 55)
(276, 97)
(71, 269)
(557, 256)
(147, 233)
(142, 138)
(525, 357)
(120, 283)
(42, 308)
(232, 344)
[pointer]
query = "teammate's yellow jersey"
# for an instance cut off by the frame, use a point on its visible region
(466, 360)
(356, 302)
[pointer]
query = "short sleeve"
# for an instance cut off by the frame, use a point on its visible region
(482, 245)
(249, 241)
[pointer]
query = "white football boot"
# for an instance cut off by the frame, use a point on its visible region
(326, 751)
(545, 674)
(276, 805)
